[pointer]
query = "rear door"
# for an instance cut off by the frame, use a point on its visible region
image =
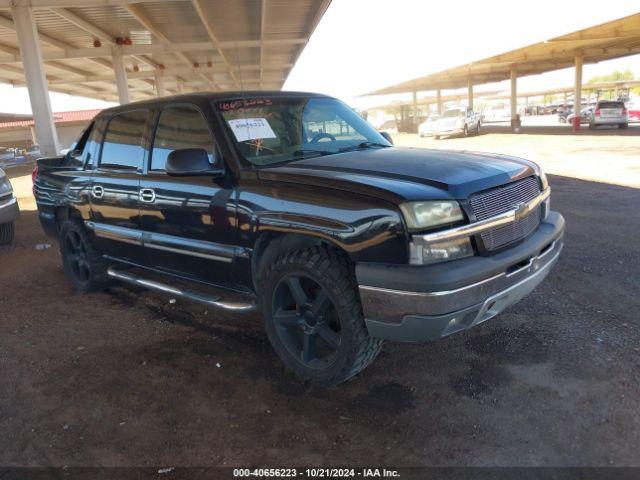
(611, 109)
(115, 186)
(188, 222)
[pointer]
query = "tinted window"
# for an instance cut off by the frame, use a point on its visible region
(122, 147)
(610, 104)
(270, 130)
(79, 151)
(180, 127)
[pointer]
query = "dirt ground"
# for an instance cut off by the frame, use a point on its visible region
(126, 379)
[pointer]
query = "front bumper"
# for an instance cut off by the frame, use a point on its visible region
(422, 303)
(9, 210)
(449, 131)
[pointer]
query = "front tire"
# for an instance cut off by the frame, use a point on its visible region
(314, 318)
(7, 232)
(623, 126)
(85, 268)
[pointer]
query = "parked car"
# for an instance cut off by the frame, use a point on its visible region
(341, 240)
(33, 153)
(585, 115)
(610, 112)
(9, 211)
(563, 114)
(455, 122)
(633, 110)
(425, 129)
(10, 156)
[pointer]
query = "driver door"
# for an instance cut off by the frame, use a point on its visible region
(188, 222)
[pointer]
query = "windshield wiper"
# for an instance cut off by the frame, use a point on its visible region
(304, 153)
(361, 146)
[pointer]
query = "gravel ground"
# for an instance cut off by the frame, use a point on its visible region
(126, 379)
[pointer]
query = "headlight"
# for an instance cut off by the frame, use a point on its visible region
(420, 254)
(423, 215)
(5, 186)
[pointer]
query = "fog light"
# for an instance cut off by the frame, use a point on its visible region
(440, 252)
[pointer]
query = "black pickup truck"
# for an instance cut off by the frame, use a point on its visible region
(292, 204)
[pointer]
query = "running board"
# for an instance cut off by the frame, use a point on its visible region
(216, 302)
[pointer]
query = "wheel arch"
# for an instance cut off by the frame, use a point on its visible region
(271, 245)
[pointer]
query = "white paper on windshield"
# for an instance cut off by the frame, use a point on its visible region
(251, 129)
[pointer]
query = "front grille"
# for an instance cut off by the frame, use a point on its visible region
(499, 200)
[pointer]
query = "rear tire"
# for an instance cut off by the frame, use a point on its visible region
(7, 232)
(86, 269)
(314, 318)
(436, 137)
(623, 126)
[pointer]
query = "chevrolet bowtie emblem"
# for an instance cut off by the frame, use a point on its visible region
(522, 209)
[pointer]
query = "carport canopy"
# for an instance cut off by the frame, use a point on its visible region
(123, 50)
(614, 39)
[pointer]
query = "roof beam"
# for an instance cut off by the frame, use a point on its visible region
(197, 4)
(158, 48)
(68, 3)
(175, 71)
(139, 14)
(8, 23)
(83, 24)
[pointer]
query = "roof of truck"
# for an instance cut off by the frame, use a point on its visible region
(215, 96)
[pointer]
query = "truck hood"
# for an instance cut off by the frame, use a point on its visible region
(405, 174)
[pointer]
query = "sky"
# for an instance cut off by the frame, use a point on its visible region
(363, 45)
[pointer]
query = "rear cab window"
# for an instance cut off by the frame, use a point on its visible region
(123, 145)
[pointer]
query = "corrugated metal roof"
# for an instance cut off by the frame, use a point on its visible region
(614, 39)
(199, 44)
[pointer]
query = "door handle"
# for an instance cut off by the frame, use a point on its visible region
(147, 195)
(97, 191)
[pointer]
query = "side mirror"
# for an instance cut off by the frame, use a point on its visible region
(189, 162)
(387, 137)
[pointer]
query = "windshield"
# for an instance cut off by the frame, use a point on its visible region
(452, 113)
(271, 130)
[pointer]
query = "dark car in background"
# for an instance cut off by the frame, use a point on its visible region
(292, 204)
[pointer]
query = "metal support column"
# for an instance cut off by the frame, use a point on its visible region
(121, 75)
(160, 91)
(470, 94)
(37, 86)
(439, 100)
(515, 122)
(577, 93)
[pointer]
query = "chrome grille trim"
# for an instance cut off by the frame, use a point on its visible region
(480, 226)
(502, 199)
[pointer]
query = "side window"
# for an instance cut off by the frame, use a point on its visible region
(180, 127)
(122, 148)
